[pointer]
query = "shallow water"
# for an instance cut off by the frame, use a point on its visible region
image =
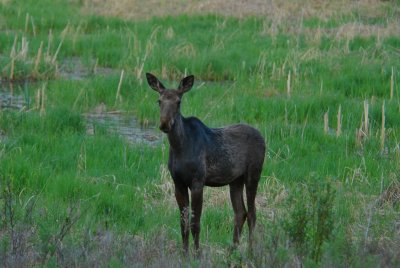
(124, 126)
(16, 97)
(13, 96)
(74, 69)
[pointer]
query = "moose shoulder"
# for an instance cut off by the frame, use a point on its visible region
(200, 156)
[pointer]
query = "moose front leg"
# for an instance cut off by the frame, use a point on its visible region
(182, 198)
(197, 205)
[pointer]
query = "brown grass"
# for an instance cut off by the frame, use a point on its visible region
(279, 15)
(273, 9)
(391, 195)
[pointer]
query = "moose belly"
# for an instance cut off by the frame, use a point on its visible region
(218, 181)
(214, 171)
(223, 174)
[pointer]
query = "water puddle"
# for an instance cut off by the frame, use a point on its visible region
(100, 120)
(16, 97)
(74, 69)
(124, 126)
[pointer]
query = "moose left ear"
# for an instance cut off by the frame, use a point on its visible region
(186, 84)
(154, 83)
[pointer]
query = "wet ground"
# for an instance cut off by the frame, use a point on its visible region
(75, 69)
(125, 126)
(12, 96)
(15, 96)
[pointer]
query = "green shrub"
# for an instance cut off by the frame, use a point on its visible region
(311, 218)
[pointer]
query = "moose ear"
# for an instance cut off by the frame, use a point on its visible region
(154, 83)
(186, 84)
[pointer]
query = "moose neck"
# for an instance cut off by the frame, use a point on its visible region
(177, 135)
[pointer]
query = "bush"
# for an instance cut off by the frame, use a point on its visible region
(311, 220)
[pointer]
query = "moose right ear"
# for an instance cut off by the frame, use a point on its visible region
(154, 83)
(186, 84)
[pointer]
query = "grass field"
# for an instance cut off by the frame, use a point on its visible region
(320, 80)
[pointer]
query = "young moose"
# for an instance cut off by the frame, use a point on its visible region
(200, 156)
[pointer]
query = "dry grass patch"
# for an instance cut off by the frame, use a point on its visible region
(391, 195)
(350, 30)
(273, 9)
(279, 15)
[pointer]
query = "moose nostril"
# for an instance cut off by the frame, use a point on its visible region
(164, 128)
(166, 125)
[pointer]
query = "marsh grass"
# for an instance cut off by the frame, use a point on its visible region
(23, 64)
(328, 194)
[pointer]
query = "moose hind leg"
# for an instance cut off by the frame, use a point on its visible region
(251, 192)
(239, 209)
(182, 198)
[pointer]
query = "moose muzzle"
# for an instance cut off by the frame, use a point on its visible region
(166, 124)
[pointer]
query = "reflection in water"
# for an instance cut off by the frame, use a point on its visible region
(126, 127)
(14, 96)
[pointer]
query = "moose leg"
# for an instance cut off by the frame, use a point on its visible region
(182, 198)
(251, 191)
(197, 205)
(236, 193)
(251, 216)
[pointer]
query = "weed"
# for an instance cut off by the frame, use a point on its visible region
(311, 220)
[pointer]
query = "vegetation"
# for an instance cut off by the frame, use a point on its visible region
(320, 82)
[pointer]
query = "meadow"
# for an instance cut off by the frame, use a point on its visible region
(320, 81)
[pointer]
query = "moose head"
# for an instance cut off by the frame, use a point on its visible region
(170, 99)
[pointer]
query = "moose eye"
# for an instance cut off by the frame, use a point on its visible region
(179, 103)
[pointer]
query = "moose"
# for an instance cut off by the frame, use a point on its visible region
(201, 156)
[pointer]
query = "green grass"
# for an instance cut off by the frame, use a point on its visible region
(73, 199)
